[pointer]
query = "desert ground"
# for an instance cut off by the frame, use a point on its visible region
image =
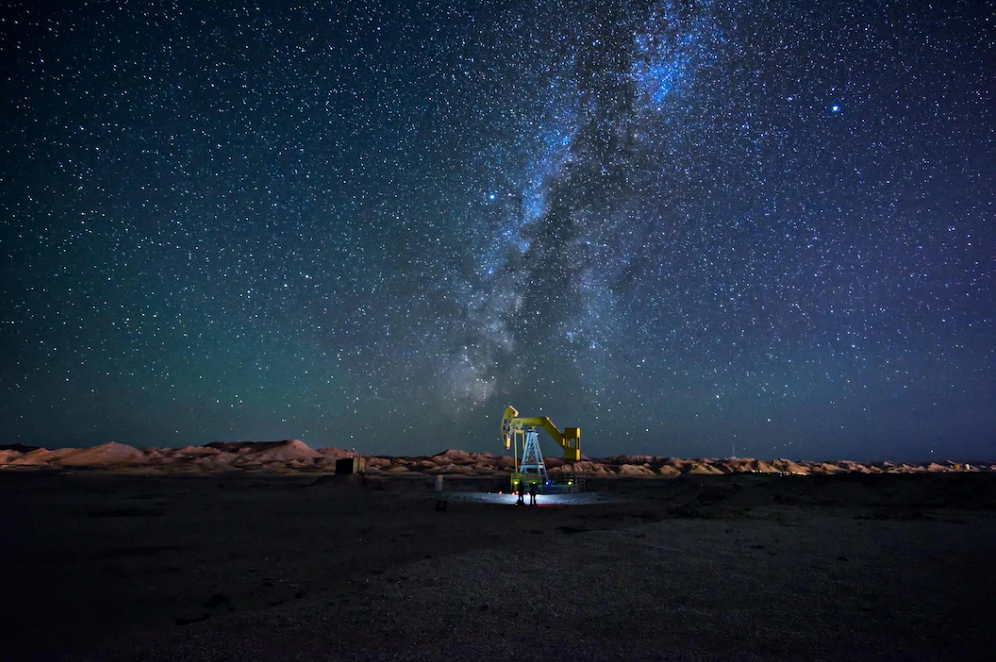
(122, 562)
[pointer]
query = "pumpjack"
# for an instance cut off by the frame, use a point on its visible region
(529, 466)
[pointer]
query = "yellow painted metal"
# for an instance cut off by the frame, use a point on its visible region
(513, 425)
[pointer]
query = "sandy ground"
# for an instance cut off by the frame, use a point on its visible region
(96, 566)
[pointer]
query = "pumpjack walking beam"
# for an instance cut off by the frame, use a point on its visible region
(569, 440)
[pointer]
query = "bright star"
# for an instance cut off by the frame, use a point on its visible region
(835, 108)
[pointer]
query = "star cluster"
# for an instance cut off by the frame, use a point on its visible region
(690, 228)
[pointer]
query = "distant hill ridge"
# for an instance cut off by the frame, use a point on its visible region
(295, 455)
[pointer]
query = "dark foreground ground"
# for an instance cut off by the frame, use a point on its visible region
(252, 567)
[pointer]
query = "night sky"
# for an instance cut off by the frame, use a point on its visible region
(689, 228)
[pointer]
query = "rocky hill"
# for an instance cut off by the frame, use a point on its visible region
(295, 455)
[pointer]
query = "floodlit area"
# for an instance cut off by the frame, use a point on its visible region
(510, 498)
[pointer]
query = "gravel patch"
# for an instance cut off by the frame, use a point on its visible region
(822, 589)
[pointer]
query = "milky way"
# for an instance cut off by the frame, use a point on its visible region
(690, 228)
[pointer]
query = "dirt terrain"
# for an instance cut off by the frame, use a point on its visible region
(244, 566)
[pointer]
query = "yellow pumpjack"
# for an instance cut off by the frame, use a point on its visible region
(529, 468)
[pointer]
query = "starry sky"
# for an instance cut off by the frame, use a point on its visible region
(691, 228)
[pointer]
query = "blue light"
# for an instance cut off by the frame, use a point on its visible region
(492, 196)
(835, 108)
